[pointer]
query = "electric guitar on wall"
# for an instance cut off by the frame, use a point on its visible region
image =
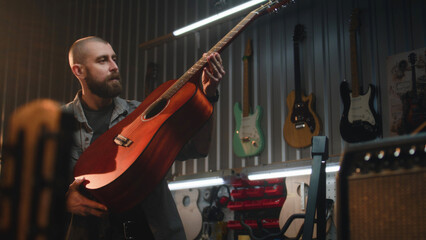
(248, 138)
(359, 121)
(302, 122)
(414, 110)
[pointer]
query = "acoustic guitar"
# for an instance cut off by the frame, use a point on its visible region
(359, 121)
(301, 123)
(126, 163)
(187, 206)
(295, 203)
(248, 136)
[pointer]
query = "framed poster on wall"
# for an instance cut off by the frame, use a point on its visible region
(406, 74)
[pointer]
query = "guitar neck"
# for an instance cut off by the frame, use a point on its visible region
(354, 65)
(297, 85)
(246, 98)
(196, 69)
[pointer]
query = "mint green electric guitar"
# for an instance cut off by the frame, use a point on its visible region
(248, 137)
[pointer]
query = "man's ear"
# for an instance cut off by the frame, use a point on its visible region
(78, 70)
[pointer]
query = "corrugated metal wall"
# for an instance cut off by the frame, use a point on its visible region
(39, 33)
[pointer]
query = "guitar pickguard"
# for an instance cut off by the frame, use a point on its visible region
(248, 138)
(360, 110)
(359, 122)
(301, 117)
(295, 134)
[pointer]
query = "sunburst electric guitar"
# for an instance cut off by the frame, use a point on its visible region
(248, 137)
(359, 121)
(301, 123)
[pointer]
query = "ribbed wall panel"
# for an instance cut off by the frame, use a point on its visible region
(38, 34)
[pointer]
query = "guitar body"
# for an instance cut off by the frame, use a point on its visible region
(295, 203)
(186, 203)
(120, 176)
(359, 121)
(301, 123)
(248, 138)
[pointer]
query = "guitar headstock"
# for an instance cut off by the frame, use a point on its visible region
(299, 33)
(412, 58)
(272, 6)
(248, 51)
(354, 20)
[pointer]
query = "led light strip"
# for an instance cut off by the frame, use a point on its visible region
(287, 173)
(216, 17)
(196, 183)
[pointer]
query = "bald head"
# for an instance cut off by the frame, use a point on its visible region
(77, 52)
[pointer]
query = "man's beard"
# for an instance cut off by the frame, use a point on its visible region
(107, 88)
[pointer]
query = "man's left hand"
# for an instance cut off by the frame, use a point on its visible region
(212, 74)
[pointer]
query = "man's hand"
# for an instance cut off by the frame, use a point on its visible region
(212, 74)
(78, 204)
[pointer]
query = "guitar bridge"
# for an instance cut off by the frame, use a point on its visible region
(121, 140)
(300, 125)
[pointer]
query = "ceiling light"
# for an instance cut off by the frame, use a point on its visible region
(195, 183)
(288, 172)
(217, 17)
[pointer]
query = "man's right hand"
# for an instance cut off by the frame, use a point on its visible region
(78, 204)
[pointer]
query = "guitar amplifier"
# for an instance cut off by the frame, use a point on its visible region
(381, 190)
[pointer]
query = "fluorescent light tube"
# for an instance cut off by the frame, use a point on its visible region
(216, 17)
(287, 173)
(196, 183)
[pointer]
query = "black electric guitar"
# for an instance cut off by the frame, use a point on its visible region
(414, 110)
(359, 120)
(302, 122)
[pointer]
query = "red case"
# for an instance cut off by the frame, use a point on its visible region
(251, 223)
(274, 190)
(270, 223)
(252, 204)
(238, 183)
(255, 192)
(256, 182)
(236, 205)
(238, 193)
(234, 225)
(275, 180)
(273, 203)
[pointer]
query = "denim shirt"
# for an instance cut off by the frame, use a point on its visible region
(159, 207)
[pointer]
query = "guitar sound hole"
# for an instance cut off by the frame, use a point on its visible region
(156, 108)
(186, 201)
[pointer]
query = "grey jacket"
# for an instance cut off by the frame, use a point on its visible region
(159, 207)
